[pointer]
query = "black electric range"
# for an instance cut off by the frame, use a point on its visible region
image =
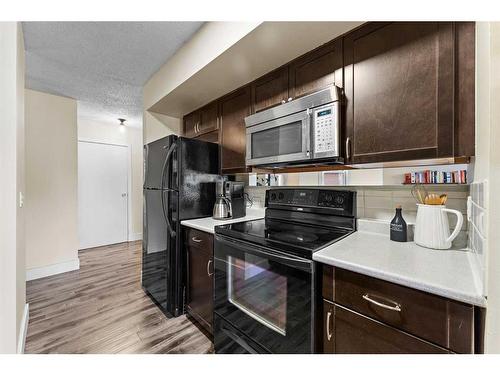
(298, 239)
(265, 279)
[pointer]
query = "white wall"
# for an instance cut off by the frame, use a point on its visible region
(156, 126)
(487, 165)
(89, 130)
(51, 184)
(12, 274)
(208, 43)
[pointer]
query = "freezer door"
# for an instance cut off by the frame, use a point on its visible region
(158, 171)
(159, 277)
(198, 173)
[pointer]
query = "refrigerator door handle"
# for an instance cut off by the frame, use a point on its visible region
(165, 214)
(166, 164)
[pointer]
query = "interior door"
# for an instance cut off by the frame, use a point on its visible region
(102, 194)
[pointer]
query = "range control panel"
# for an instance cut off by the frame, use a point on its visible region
(343, 202)
(325, 130)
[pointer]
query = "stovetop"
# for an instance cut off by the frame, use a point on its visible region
(296, 238)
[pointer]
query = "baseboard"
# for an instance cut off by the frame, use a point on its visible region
(53, 269)
(23, 330)
(134, 236)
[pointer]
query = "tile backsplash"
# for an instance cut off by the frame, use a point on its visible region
(380, 202)
(478, 224)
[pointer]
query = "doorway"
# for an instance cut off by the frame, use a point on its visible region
(103, 191)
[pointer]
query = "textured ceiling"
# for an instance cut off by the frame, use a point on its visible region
(103, 65)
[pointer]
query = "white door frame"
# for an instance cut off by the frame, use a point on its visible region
(129, 178)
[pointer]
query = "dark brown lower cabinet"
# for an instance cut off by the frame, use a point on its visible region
(347, 332)
(363, 314)
(199, 302)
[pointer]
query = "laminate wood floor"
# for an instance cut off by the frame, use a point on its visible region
(101, 308)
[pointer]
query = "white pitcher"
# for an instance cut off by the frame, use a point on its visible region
(432, 228)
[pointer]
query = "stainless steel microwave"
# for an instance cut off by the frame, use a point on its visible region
(302, 131)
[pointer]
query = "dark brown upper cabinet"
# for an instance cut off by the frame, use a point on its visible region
(208, 118)
(465, 66)
(270, 90)
(191, 122)
(201, 121)
(399, 87)
(317, 69)
(233, 110)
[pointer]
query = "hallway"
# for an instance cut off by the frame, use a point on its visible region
(101, 308)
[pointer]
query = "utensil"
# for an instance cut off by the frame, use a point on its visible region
(432, 199)
(444, 198)
(432, 228)
(419, 193)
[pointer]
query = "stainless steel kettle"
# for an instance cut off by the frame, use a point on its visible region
(222, 207)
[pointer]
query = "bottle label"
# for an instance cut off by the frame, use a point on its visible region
(397, 227)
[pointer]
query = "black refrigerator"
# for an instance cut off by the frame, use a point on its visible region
(179, 184)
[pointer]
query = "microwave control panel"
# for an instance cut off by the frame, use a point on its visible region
(326, 130)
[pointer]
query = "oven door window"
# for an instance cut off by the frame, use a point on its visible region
(258, 291)
(280, 140)
(265, 295)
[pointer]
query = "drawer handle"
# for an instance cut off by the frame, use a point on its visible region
(328, 333)
(208, 267)
(196, 239)
(396, 307)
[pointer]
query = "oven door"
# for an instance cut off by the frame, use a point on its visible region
(286, 139)
(265, 295)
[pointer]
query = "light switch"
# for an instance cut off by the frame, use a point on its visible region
(21, 199)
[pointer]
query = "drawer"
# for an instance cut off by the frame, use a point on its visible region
(356, 334)
(437, 319)
(198, 238)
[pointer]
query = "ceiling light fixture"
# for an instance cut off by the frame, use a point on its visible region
(122, 121)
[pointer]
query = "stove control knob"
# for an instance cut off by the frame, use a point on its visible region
(281, 196)
(339, 200)
(273, 196)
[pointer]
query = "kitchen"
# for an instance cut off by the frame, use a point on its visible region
(330, 195)
(303, 272)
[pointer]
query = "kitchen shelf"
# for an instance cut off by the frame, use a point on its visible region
(442, 183)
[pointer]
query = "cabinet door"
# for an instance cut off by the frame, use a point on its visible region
(399, 90)
(465, 88)
(233, 110)
(191, 122)
(200, 285)
(208, 118)
(270, 90)
(328, 327)
(317, 70)
(212, 137)
(356, 334)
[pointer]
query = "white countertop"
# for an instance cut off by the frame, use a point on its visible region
(448, 273)
(207, 224)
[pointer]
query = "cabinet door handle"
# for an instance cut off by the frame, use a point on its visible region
(396, 306)
(197, 127)
(196, 239)
(328, 333)
(208, 267)
(283, 101)
(348, 148)
(289, 99)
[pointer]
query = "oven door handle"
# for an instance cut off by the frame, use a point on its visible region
(295, 262)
